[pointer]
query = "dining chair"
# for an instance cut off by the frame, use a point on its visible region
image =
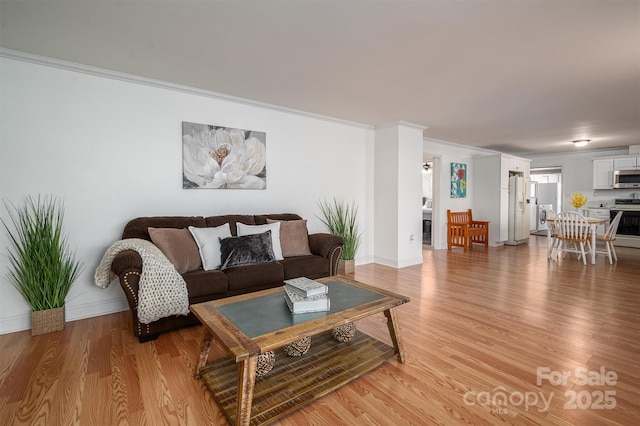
(609, 237)
(573, 234)
(550, 214)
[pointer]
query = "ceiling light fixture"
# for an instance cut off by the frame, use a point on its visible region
(581, 142)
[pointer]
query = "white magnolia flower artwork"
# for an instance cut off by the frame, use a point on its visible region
(223, 158)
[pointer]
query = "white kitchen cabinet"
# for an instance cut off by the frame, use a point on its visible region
(603, 173)
(491, 192)
(626, 163)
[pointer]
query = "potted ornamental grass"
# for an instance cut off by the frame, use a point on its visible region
(42, 268)
(341, 218)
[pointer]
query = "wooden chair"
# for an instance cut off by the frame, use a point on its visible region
(553, 233)
(463, 231)
(609, 237)
(573, 234)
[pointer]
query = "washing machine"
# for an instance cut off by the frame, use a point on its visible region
(541, 216)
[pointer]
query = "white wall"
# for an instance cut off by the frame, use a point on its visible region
(577, 175)
(111, 148)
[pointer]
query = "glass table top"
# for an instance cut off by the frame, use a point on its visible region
(266, 314)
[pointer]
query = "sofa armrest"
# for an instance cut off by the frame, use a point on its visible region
(127, 265)
(125, 261)
(328, 246)
(323, 244)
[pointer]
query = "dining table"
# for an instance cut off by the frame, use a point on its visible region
(593, 222)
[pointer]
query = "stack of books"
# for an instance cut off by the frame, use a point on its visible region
(304, 295)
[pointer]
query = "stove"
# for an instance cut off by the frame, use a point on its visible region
(629, 228)
(627, 203)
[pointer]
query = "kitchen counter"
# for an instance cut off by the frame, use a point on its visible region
(596, 212)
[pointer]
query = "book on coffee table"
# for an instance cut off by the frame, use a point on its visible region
(305, 287)
(301, 305)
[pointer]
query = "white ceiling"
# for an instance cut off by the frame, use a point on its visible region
(518, 76)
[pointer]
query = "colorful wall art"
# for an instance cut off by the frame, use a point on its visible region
(458, 180)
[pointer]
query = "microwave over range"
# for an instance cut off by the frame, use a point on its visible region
(626, 178)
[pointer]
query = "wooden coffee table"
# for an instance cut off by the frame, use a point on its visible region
(249, 325)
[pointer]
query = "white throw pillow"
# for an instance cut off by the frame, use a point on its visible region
(259, 229)
(208, 241)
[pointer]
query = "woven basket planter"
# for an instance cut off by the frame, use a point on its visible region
(346, 266)
(47, 321)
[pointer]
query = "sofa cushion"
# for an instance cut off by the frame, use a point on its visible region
(208, 240)
(246, 250)
(244, 229)
(202, 283)
(231, 219)
(306, 266)
(261, 219)
(294, 237)
(252, 276)
(139, 227)
(178, 246)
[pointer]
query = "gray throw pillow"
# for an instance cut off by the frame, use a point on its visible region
(246, 250)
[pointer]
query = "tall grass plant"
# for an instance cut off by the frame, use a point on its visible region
(42, 267)
(341, 218)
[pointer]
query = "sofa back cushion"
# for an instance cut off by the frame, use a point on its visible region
(261, 219)
(139, 227)
(231, 219)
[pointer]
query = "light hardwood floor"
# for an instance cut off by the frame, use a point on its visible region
(477, 329)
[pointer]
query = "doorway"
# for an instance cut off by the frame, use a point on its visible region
(427, 200)
(548, 182)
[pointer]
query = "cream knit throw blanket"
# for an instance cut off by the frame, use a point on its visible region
(162, 292)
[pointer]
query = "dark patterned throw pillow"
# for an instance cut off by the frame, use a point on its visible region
(246, 250)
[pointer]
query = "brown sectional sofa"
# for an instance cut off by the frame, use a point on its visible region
(204, 285)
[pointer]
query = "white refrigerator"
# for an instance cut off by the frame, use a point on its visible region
(519, 211)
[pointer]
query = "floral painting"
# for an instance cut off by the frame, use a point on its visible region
(222, 157)
(458, 180)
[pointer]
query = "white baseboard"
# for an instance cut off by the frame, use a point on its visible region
(95, 309)
(73, 312)
(15, 323)
(401, 263)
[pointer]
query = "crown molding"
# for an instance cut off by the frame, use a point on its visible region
(135, 79)
(402, 124)
(479, 151)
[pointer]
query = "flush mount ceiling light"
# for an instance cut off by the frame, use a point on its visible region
(581, 142)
